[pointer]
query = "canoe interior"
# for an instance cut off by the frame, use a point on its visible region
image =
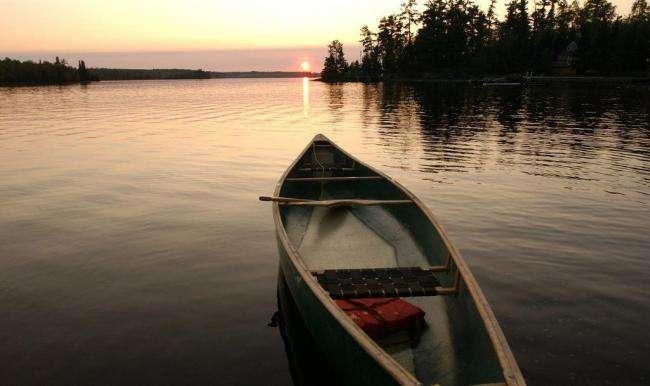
(454, 349)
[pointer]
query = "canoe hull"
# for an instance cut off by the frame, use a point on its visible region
(465, 343)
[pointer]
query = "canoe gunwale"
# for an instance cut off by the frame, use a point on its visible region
(511, 372)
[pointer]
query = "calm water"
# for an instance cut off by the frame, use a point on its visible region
(133, 248)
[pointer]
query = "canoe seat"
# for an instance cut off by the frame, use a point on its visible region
(378, 282)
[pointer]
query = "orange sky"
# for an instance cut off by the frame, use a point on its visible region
(128, 26)
(153, 25)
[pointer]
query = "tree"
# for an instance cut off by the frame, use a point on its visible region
(491, 14)
(335, 65)
(83, 72)
(565, 21)
(640, 11)
(484, 38)
(461, 34)
(595, 23)
(409, 18)
(354, 70)
(514, 33)
(598, 11)
(429, 42)
(634, 40)
(543, 36)
(370, 60)
(390, 42)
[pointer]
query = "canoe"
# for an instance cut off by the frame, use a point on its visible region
(338, 218)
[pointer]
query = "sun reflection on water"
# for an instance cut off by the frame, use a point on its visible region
(305, 96)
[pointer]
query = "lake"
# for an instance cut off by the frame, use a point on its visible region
(133, 249)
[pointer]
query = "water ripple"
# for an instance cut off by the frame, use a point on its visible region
(133, 204)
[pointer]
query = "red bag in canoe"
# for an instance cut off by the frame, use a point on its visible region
(381, 317)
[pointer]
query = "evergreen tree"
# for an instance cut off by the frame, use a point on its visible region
(83, 72)
(409, 18)
(491, 14)
(514, 34)
(335, 65)
(370, 59)
(634, 40)
(595, 22)
(390, 41)
(430, 40)
(542, 35)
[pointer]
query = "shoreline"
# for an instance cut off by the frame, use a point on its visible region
(11, 85)
(238, 75)
(505, 81)
(512, 81)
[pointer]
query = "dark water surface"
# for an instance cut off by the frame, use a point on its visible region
(133, 249)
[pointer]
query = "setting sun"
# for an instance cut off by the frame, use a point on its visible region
(305, 67)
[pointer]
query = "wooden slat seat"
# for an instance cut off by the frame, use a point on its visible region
(378, 282)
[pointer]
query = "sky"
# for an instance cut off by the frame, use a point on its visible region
(218, 35)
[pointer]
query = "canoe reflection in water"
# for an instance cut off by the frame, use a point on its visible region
(307, 364)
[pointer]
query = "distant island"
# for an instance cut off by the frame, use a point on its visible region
(28, 73)
(455, 39)
(144, 74)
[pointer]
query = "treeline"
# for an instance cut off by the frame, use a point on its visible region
(18, 73)
(15, 72)
(455, 38)
(142, 74)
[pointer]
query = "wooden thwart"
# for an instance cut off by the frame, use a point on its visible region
(331, 203)
(318, 179)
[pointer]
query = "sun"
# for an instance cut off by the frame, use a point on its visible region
(305, 67)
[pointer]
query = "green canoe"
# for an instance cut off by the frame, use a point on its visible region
(338, 218)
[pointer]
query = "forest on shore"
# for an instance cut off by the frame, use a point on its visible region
(457, 39)
(15, 72)
(29, 73)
